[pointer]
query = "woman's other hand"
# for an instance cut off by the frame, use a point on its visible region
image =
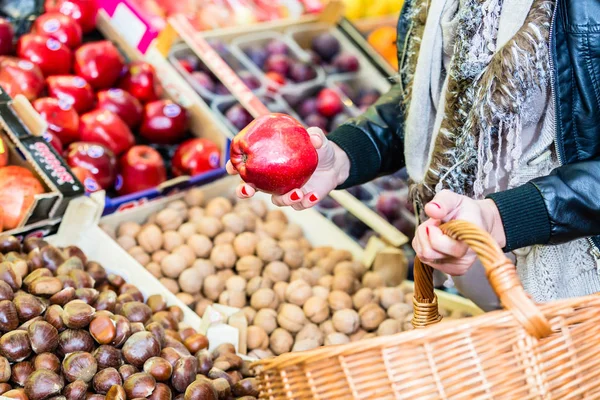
(332, 170)
(440, 251)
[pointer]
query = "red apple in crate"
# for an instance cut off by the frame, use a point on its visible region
(19, 76)
(82, 11)
(346, 63)
(278, 63)
(7, 36)
(195, 156)
(73, 90)
(274, 153)
(53, 57)
(53, 139)
(97, 159)
(18, 188)
(87, 179)
(105, 127)
(62, 119)
(163, 122)
(99, 63)
(60, 27)
(141, 168)
(329, 103)
(127, 107)
(140, 80)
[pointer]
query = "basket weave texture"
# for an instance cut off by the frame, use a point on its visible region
(528, 351)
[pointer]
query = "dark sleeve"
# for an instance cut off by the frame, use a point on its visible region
(373, 141)
(553, 209)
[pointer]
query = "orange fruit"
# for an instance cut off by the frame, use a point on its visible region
(383, 40)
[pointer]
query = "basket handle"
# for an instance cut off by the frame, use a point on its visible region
(500, 271)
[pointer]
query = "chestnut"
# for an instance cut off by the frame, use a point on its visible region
(106, 300)
(82, 279)
(177, 345)
(79, 365)
(63, 297)
(25, 325)
(70, 264)
(43, 337)
(171, 355)
(156, 303)
(73, 340)
(186, 333)
(9, 243)
(28, 306)
(103, 329)
(123, 330)
(32, 243)
(137, 327)
(196, 342)
(76, 390)
(20, 372)
(38, 273)
(105, 379)
(108, 356)
(223, 388)
(45, 286)
(47, 361)
(179, 397)
(15, 346)
(4, 370)
(228, 361)
(115, 280)
(94, 396)
(127, 370)
(136, 311)
(116, 393)
(9, 319)
(34, 260)
(140, 347)
(4, 387)
(16, 394)
(96, 271)
(158, 332)
(74, 251)
(205, 362)
(8, 275)
(67, 281)
(161, 392)
(200, 389)
(176, 312)
(159, 368)
(52, 258)
(216, 373)
(246, 369)
(6, 292)
(140, 384)
(43, 384)
(87, 295)
(165, 319)
(246, 387)
(54, 317)
(77, 314)
(184, 372)
(223, 349)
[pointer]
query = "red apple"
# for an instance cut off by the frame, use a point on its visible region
(274, 153)
(53, 57)
(127, 107)
(141, 168)
(329, 103)
(87, 179)
(62, 119)
(21, 77)
(105, 127)
(7, 36)
(60, 27)
(99, 63)
(140, 80)
(95, 158)
(195, 156)
(53, 139)
(164, 122)
(72, 89)
(82, 11)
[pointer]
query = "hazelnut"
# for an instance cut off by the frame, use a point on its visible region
(245, 244)
(171, 240)
(346, 321)
(190, 280)
(173, 265)
(268, 250)
(316, 309)
(201, 245)
(150, 238)
(266, 319)
(249, 267)
(339, 300)
(311, 331)
(264, 298)
(363, 297)
(280, 288)
(256, 283)
(291, 317)
(371, 316)
(281, 341)
(298, 292)
(276, 271)
(223, 256)
(257, 338)
(209, 226)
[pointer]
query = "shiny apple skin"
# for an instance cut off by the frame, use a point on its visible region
(99, 63)
(60, 27)
(141, 168)
(72, 89)
(97, 159)
(274, 153)
(164, 122)
(195, 156)
(105, 127)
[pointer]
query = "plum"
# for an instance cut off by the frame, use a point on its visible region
(258, 56)
(278, 63)
(314, 58)
(389, 205)
(219, 46)
(329, 103)
(368, 97)
(238, 116)
(251, 81)
(347, 90)
(307, 107)
(277, 46)
(221, 89)
(346, 63)
(300, 72)
(317, 120)
(326, 46)
(405, 226)
(203, 80)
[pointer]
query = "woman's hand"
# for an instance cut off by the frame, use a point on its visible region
(332, 170)
(440, 251)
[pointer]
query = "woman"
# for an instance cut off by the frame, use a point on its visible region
(494, 115)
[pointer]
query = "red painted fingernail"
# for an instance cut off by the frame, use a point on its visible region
(294, 196)
(244, 191)
(313, 198)
(427, 230)
(437, 205)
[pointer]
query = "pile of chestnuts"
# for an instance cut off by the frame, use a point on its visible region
(72, 331)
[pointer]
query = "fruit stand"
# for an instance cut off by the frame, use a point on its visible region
(130, 265)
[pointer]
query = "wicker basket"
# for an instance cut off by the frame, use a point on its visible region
(550, 351)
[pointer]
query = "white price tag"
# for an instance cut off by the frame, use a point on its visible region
(129, 26)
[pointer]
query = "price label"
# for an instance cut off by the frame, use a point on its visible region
(129, 26)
